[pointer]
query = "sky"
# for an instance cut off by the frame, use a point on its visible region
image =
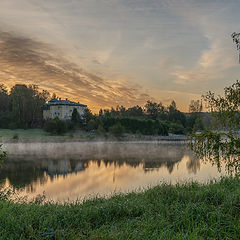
(106, 53)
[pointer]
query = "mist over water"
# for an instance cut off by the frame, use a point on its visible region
(76, 170)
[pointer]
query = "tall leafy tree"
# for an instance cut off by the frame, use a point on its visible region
(75, 116)
(195, 106)
(87, 115)
(194, 120)
(174, 115)
(26, 104)
(135, 111)
(4, 99)
(152, 109)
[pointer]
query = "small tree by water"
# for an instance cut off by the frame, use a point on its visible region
(221, 143)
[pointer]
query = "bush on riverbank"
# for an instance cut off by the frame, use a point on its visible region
(134, 125)
(55, 126)
(188, 211)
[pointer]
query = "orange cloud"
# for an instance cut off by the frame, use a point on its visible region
(28, 61)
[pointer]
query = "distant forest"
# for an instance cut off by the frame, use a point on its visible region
(21, 107)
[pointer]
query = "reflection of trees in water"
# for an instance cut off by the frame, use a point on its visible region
(152, 156)
(219, 149)
(22, 174)
(193, 164)
(25, 171)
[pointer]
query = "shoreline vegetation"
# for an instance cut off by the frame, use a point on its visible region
(183, 211)
(39, 135)
(22, 107)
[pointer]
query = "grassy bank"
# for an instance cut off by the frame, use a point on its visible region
(190, 211)
(39, 135)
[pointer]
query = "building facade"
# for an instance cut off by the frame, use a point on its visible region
(62, 109)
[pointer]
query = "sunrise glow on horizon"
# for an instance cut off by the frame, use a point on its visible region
(120, 52)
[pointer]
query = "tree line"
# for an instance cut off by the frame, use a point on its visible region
(152, 119)
(21, 107)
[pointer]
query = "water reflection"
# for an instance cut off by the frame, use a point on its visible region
(79, 170)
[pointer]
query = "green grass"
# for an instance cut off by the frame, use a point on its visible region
(188, 211)
(39, 135)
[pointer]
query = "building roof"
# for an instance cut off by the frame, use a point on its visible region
(54, 102)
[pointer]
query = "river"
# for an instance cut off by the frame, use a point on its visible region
(80, 170)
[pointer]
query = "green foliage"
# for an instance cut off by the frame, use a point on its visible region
(55, 126)
(75, 116)
(91, 125)
(71, 135)
(87, 116)
(188, 211)
(175, 115)
(153, 119)
(138, 133)
(221, 144)
(176, 128)
(132, 125)
(152, 109)
(15, 136)
(22, 106)
(70, 125)
(101, 130)
(195, 106)
(198, 124)
(117, 130)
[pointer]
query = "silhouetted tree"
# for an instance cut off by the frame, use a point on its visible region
(75, 116)
(175, 115)
(195, 106)
(135, 111)
(152, 109)
(4, 99)
(26, 104)
(87, 115)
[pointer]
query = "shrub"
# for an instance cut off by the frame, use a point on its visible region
(132, 125)
(71, 135)
(15, 136)
(138, 133)
(69, 125)
(176, 128)
(55, 126)
(75, 116)
(91, 125)
(100, 130)
(117, 130)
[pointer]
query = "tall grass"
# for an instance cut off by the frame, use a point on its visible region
(188, 211)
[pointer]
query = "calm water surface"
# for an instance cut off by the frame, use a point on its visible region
(71, 171)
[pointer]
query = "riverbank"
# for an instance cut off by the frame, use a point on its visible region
(189, 211)
(38, 135)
